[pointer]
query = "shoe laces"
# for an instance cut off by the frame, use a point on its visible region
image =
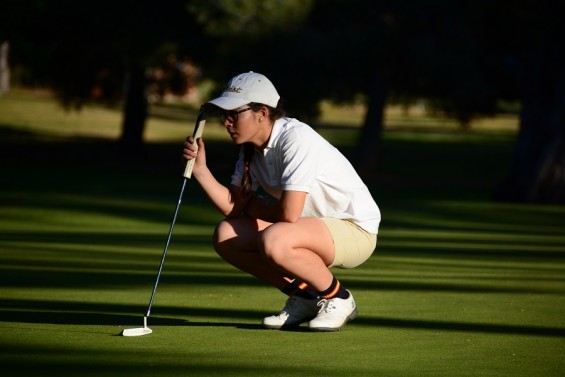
(326, 306)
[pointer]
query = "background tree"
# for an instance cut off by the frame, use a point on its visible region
(463, 58)
(536, 42)
(103, 48)
(97, 49)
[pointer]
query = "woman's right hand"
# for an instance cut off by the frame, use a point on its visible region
(191, 152)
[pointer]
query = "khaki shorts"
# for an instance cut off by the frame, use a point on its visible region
(353, 244)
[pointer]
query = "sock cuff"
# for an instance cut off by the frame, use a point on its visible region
(332, 291)
(335, 290)
(301, 289)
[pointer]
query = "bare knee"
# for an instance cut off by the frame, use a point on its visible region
(223, 232)
(274, 245)
(236, 235)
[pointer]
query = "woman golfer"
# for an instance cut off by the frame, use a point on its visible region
(321, 214)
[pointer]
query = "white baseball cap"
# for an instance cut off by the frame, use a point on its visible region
(245, 88)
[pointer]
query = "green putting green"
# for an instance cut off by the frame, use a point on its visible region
(459, 285)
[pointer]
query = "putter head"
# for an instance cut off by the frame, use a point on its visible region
(137, 331)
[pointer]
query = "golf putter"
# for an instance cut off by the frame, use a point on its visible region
(198, 129)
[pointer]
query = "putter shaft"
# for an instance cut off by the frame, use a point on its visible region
(165, 252)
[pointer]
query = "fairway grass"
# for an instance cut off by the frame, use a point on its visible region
(459, 285)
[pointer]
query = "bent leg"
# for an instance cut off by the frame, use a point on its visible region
(304, 249)
(235, 240)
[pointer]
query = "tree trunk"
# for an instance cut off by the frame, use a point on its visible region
(4, 68)
(135, 110)
(538, 169)
(367, 156)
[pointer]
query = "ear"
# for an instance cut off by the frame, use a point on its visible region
(264, 112)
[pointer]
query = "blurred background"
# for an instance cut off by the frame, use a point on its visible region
(453, 113)
(458, 61)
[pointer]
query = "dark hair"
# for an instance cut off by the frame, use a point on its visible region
(248, 148)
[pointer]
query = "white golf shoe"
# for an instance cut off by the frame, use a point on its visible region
(333, 314)
(297, 310)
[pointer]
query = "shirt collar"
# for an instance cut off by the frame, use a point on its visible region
(276, 132)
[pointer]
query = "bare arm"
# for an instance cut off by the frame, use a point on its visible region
(228, 202)
(288, 209)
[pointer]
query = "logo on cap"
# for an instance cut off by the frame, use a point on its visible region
(233, 89)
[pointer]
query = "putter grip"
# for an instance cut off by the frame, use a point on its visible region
(198, 130)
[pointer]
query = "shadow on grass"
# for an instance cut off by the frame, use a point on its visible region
(462, 327)
(97, 274)
(61, 361)
(96, 314)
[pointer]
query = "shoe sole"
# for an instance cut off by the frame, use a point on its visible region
(351, 317)
(283, 327)
(287, 326)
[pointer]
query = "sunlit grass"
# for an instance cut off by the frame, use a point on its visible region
(459, 285)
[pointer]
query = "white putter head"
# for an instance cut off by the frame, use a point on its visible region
(139, 331)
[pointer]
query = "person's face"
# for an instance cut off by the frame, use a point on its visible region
(243, 125)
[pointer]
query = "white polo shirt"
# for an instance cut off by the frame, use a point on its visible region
(297, 158)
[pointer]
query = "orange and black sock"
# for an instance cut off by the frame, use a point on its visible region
(335, 290)
(300, 289)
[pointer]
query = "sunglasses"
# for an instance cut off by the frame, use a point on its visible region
(232, 115)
